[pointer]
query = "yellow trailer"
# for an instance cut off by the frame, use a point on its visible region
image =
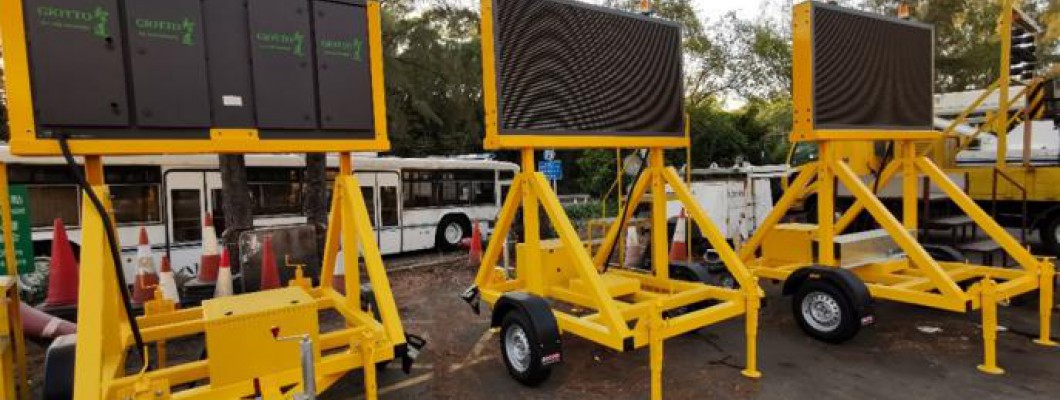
(541, 95)
(835, 276)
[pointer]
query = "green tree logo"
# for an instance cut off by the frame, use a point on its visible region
(299, 42)
(100, 16)
(188, 38)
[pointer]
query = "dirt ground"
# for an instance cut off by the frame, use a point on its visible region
(911, 353)
(902, 357)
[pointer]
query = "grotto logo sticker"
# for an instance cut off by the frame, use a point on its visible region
(352, 49)
(293, 43)
(93, 21)
(182, 31)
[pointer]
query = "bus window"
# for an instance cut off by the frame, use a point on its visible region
(187, 220)
(136, 203)
(388, 202)
(485, 194)
(216, 199)
(50, 202)
(369, 202)
(275, 191)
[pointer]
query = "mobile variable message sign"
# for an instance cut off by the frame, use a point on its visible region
(565, 74)
(857, 72)
(193, 76)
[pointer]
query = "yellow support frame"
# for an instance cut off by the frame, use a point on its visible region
(105, 337)
(918, 279)
(608, 318)
(14, 376)
(24, 139)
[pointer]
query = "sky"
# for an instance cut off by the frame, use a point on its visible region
(744, 8)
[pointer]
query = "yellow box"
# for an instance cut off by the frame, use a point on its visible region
(239, 336)
(790, 243)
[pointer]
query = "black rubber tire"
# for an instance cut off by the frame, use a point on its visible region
(440, 242)
(1048, 233)
(59, 369)
(849, 321)
(535, 373)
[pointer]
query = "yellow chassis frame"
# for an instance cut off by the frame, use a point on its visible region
(917, 279)
(610, 318)
(105, 337)
(24, 139)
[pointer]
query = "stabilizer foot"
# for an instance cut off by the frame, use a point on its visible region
(753, 374)
(992, 370)
(1046, 343)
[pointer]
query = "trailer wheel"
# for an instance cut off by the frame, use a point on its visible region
(825, 312)
(521, 349)
(59, 369)
(1050, 233)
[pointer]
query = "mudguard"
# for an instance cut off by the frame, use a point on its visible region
(541, 318)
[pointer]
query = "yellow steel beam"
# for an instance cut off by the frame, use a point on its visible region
(826, 205)
(855, 209)
(902, 237)
(660, 250)
(809, 171)
(579, 257)
(614, 232)
(500, 233)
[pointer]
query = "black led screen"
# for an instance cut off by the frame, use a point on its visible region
(175, 69)
(566, 68)
(871, 72)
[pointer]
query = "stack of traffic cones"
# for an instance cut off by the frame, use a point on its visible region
(62, 278)
(679, 250)
(224, 277)
(270, 274)
(166, 281)
(210, 256)
(474, 257)
(146, 278)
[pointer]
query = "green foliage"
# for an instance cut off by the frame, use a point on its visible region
(585, 211)
(433, 79)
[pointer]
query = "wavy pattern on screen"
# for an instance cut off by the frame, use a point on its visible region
(567, 68)
(871, 72)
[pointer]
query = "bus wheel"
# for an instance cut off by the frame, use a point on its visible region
(451, 231)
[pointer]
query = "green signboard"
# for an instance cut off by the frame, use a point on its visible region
(21, 230)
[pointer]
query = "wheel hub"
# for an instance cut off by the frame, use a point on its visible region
(517, 348)
(821, 311)
(453, 233)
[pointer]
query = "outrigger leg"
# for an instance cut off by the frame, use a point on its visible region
(1047, 276)
(988, 296)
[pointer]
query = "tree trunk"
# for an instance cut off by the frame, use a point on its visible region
(237, 210)
(315, 194)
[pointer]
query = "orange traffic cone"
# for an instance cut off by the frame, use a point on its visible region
(62, 278)
(146, 278)
(39, 324)
(474, 257)
(679, 250)
(224, 277)
(270, 275)
(167, 282)
(210, 256)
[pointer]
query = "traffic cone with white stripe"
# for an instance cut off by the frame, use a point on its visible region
(210, 256)
(270, 274)
(679, 250)
(146, 278)
(634, 249)
(39, 324)
(166, 281)
(224, 277)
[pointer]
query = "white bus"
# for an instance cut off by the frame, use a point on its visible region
(416, 203)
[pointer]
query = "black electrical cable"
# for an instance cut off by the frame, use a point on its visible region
(625, 211)
(112, 242)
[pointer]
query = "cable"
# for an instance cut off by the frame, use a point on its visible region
(111, 241)
(627, 209)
